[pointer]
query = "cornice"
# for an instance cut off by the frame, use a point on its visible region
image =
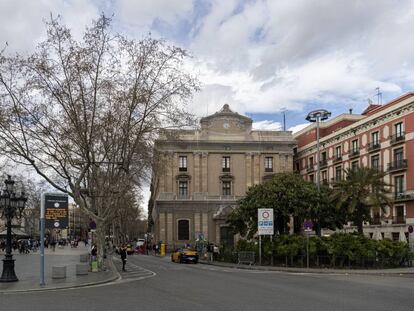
(362, 126)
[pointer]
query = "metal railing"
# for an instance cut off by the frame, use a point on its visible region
(397, 165)
(337, 159)
(374, 145)
(354, 153)
(398, 220)
(398, 137)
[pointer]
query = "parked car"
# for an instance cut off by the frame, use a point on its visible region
(182, 255)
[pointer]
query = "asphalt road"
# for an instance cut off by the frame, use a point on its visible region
(152, 283)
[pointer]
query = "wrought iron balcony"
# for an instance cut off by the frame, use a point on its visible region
(397, 165)
(374, 145)
(397, 138)
(377, 168)
(354, 153)
(337, 159)
(323, 163)
(376, 220)
(398, 220)
(310, 168)
(269, 169)
(403, 196)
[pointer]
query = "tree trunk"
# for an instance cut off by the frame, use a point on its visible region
(100, 243)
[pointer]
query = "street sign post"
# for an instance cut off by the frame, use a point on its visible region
(307, 225)
(265, 221)
(53, 214)
(264, 226)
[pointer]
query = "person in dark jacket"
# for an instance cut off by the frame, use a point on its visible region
(123, 253)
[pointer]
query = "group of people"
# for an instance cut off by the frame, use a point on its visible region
(24, 246)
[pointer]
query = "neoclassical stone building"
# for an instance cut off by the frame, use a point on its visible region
(202, 173)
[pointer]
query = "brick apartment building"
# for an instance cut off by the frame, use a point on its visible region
(382, 137)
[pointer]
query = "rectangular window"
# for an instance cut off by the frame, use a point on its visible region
(183, 189)
(226, 164)
(323, 160)
(268, 164)
(338, 173)
(311, 161)
(375, 162)
(354, 146)
(354, 165)
(399, 185)
(398, 156)
(182, 164)
(338, 152)
(324, 177)
(226, 187)
(399, 130)
(311, 179)
(375, 139)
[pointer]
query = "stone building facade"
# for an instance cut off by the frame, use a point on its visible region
(202, 173)
(382, 137)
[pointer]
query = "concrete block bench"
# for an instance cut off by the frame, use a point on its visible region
(82, 268)
(58, 272)
(84, 257)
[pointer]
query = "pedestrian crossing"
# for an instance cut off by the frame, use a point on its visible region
(133, 271)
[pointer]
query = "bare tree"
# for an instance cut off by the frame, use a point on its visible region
(84, 113)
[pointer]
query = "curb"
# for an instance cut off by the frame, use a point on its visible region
(305, 270)
(110, 279)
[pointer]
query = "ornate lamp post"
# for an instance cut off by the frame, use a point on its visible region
(316, 116)
(11, 206)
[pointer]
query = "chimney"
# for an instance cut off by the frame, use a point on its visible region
(350, 110)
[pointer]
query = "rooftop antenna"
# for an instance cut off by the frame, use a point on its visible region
(379, 96)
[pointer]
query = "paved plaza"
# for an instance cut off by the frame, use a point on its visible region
(27, 268)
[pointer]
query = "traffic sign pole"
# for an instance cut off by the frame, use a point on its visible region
(42, 240)
(260, 250)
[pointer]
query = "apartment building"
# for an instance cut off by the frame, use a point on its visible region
(382, 137)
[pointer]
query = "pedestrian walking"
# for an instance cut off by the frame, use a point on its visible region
(123, 253)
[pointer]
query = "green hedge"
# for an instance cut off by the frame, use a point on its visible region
(338, 250)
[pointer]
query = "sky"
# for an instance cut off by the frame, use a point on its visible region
(262, 57)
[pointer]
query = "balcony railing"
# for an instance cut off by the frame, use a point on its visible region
(269, 169)
(376, 220)
(182, 169)
(398, 138)
(397, 165)
(403, 196)
(226, 169)
(377, 168)
(374, 145)
(197, 196)
(323, 163)
(337, 159)
(398, 220)
(324, 181)
(354, 153)
(310, 168)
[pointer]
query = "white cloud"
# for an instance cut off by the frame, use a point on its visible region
(143, 13)
(298, 127)
(22, 23)
(267, 125)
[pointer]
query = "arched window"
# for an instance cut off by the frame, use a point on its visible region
(183, 229)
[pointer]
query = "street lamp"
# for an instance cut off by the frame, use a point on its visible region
(316, 116)
(11, 206)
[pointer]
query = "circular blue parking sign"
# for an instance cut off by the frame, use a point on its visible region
(410, 229)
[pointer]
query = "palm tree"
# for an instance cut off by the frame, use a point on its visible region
(363, 189)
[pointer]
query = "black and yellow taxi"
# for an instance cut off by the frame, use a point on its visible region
(182, 255)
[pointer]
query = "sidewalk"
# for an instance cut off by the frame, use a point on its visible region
(391, 271)
(27, 268)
